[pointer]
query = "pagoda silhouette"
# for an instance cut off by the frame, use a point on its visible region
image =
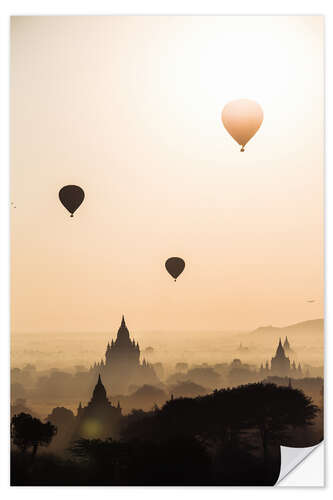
(121, 366)
(280, 363)
(99, 419)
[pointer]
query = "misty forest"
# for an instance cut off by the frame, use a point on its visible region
(145, 416)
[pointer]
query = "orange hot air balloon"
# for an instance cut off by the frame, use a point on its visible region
(242, 119)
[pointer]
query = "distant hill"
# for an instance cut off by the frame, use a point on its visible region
(312, 327)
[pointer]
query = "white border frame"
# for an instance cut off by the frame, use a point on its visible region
(109, 7)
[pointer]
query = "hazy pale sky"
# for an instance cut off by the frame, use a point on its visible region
(129, 108)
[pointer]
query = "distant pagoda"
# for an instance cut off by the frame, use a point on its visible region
(280, 363)
(121, 366)
(286, 346)
(123, 350)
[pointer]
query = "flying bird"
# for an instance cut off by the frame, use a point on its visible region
(310, 301)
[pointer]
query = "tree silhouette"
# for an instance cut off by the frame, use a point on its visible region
(27, 431)
(207, 440)
(223, 415)
(176, 461)
(270, 409)
(273, 410)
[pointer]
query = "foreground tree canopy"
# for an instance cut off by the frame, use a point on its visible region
(268, 408)
(27, 431)
(229, 437)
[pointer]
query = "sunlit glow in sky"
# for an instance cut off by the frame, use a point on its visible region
(129, 108)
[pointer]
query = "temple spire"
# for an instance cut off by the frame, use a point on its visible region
(123, 333)
(280, 351)
(286, 344)
(99, 393)
(123, 349)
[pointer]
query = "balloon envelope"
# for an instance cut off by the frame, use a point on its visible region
(71, 197)
(242, 119)
(175, 266)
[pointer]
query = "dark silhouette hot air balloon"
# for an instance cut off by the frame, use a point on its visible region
(71, 197)
(175, 266)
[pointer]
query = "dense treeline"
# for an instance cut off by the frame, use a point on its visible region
(230, 437)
